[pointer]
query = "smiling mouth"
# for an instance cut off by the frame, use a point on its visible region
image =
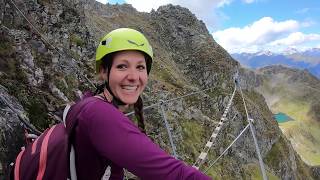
(129, 88)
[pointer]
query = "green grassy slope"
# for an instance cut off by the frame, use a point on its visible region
(295, 100)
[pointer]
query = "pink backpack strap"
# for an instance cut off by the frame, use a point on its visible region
(17, 165)
(43, 154)
(34, 146)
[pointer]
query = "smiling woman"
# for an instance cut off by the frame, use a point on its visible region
(128, 75)
(104, 135)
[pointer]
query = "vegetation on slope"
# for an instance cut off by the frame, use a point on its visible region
(299, 101)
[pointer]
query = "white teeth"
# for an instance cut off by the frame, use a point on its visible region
(129, 88)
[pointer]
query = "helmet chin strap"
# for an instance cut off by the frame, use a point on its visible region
(115, 100)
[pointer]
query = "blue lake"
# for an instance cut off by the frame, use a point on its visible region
(282, 117)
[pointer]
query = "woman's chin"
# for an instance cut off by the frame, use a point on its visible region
(129, 100)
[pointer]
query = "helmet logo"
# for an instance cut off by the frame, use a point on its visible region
(132, 42)
(106, 42)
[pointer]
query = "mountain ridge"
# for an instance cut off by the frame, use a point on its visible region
(40, 80)
(308, 59)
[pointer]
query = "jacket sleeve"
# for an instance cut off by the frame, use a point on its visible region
(116, 138)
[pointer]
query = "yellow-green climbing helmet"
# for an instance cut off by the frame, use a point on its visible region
(123, 39)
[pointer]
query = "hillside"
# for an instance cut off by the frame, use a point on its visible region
(295, 93)
(39, 74)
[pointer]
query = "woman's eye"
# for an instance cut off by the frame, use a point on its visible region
(121, 66)
(141, 67)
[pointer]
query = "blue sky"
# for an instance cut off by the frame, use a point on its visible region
(252, 25)
(241, 14)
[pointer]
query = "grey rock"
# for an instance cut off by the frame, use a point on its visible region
(11, 131)
(186, 56)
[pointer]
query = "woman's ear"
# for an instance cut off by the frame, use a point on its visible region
(103, 74)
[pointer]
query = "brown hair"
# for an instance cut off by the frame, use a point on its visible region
(138, 111)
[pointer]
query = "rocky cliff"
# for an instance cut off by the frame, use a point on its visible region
(47, 64)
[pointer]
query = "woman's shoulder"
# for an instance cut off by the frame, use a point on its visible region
(98, 108)
(99, 113)
(94, 104)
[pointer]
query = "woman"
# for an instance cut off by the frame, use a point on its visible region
(104, 135)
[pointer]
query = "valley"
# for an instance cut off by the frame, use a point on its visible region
(294, 93)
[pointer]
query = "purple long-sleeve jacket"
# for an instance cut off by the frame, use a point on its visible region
(105, 136)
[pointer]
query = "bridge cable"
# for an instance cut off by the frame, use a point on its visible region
(173, 99)
(211, 164)
(168, 129)
(202, 157)
(262, 168)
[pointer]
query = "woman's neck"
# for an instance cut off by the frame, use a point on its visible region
(108, 97)
(123, 108)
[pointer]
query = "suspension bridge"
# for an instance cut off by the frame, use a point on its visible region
(211, 140)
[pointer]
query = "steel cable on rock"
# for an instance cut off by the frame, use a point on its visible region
(23, 119)
(262, 168)
(52, 46)
(161, 103)
(235, 140)
(169, 100)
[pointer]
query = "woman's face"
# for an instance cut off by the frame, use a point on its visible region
(128, 75)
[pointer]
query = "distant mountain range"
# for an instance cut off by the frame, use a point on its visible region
(309, 59)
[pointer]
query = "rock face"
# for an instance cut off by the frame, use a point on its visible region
(10, 127)
(45, 71)
(195, 52)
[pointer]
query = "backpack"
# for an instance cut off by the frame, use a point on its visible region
(51, 155)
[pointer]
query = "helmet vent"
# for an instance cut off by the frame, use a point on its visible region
(132, 42)
(106, 42)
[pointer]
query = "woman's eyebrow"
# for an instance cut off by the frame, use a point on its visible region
(141, 61)
(127, 61)
(122, 61)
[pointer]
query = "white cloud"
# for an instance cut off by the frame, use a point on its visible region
(206, 10)
(227, 2)
(224, 3)
(254, 35)
(248, 1)
(103, 1)
(147, 5)
(203, 9)
(296, 38)
(308, 23)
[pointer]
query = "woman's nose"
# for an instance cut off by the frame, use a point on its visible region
(133, 75)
